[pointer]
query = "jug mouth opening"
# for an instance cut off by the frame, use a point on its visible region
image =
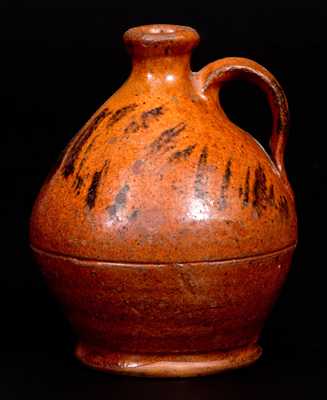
(161, 39)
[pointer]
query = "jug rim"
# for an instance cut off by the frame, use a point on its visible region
(159, 36)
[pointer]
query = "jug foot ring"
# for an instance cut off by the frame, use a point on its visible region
(166, 365)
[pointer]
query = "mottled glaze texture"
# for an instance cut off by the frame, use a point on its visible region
(165, 230)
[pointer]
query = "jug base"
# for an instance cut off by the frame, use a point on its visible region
(166, 365)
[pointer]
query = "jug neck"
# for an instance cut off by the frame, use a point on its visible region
(164, 70)
(161, 53)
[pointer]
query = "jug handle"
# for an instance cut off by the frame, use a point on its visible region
(211, 77)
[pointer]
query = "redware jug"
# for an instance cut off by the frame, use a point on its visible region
(166, 231)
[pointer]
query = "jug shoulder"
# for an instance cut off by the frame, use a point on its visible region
(157, 182)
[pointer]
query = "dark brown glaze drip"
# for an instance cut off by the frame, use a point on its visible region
(182, 154)
(166, 137)
(92, 191)
(119, 114)
(133, 127)
(259, 190)
(94, 186)
(283, 207)
(263, 197)
(73, 153)
(105, 168)
(78, 176)
(145, 119)
(120, 201)
(78, 183)
(225, 185)
(80, 167)
(201, 177)
(133, 215)
(246, 193)
(147, 116)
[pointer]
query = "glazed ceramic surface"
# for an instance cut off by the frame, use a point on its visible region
(166, 231)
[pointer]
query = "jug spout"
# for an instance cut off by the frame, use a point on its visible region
(160, 40)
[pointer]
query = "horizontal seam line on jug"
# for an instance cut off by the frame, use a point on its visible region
(133, 263)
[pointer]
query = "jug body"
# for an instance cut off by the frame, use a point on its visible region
(166, 231)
